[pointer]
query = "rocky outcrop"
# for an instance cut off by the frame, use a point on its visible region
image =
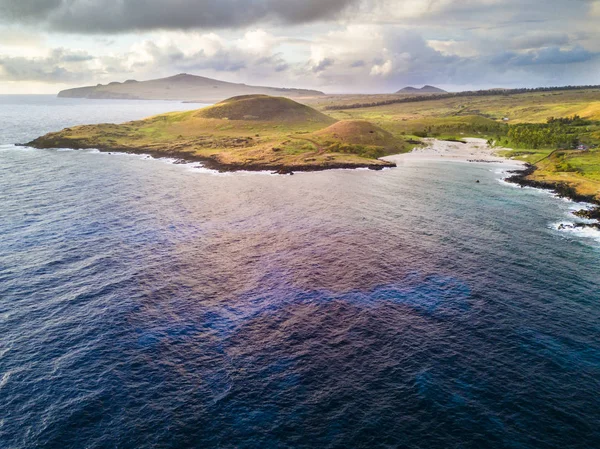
(561, 189)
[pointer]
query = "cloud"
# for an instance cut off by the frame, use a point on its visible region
(109, 16)
(192, 52)
(60, 66)
(383, 69)
(453, 47)
(323, 64)
(332, 45)
(539, 39)
(545, 56)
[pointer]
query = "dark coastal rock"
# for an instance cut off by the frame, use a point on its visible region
(564, 226)
(487, 161)
(283, 171)
(590, 214)
(562, 190)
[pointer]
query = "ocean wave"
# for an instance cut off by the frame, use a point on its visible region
(4, 379)
(570, 228)
(12, 147)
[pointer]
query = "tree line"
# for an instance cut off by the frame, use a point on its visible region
(474, 93)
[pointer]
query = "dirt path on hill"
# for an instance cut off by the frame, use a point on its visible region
(320, 149)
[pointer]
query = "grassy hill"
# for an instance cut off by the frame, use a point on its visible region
(182, 87)
(242, 133)
(359, 137)
(264, 108)
(516, 119)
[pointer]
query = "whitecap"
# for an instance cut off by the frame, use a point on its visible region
(11, 147)
(4, 379)
(569, 229)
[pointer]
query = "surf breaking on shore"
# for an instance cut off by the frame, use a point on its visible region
(582, 217)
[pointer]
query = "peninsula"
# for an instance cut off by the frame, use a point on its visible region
(252, 132)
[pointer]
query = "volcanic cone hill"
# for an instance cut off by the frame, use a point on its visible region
(357, 132)
(252, 132)
(359, 137)
(264, 108)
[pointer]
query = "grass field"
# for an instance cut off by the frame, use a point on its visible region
(258, 132)
(251, 132)
(492, 117)
(520, 108)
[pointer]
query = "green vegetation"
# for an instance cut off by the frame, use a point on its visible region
(579, 170)
(557, 133)
(450, 95)
(249, 132)
(544, 127)
(534, 123)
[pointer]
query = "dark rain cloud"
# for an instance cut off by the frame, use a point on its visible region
(110, 16)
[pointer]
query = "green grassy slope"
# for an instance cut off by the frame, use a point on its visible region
(250, 132)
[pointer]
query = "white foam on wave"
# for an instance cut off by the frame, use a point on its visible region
(567, 228)
(195, 167)
(4, 379)
(504, 182)
(11, 147)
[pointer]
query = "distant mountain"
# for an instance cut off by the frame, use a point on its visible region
(182, 87)
(423, 90)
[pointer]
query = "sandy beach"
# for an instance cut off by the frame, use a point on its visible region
(474, 150)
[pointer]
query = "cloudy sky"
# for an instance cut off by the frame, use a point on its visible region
(333, 45)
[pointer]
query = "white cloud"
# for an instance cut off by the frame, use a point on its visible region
(452, 47)
(384, 69)
(386, 45)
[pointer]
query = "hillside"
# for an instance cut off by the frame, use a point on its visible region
(182, 87)
(534, 122)
(264, 108)
(409, 90)
(359, 137)
(242, 133)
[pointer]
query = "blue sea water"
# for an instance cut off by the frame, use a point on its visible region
(151, 305)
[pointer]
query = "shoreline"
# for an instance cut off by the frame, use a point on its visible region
(562, 190)
(222, 167)
(478, 151)
(473, 150)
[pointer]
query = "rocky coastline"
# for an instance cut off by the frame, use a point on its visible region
(211, 163)
(562, 190)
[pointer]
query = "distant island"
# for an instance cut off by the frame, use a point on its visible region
(250, 132)
(409, 90)
(182, 87)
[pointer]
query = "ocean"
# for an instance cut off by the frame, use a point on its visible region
(148, 304)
